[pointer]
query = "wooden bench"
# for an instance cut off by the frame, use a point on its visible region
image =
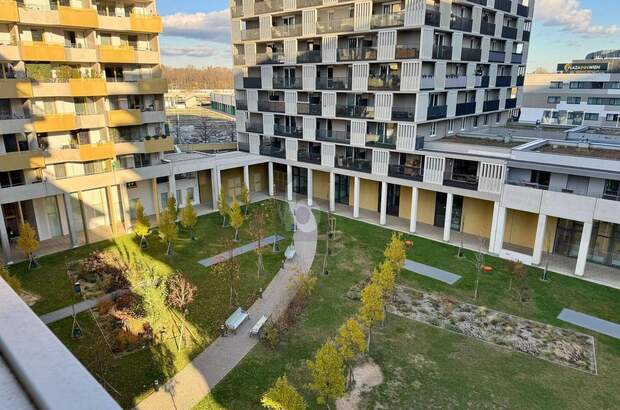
(258, 325)
(236, 319)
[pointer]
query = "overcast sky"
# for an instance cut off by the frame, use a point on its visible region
(198, 32)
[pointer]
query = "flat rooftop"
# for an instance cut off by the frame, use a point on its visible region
(590, 152)
(489, 141)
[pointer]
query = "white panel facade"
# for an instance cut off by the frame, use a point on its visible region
(491, 177)
(309, 128)
(410, 75)
(405, 137)
(328, 100)
(268, 123)
(329, 48)
(266, 74)
(360, 77)
(291, 149)
(414, 12)
(358, 133)
(252, 96)
(433, 169)
(290, 102)
(386, 45)
(250, 53)
(380, 162)
(309, 77)
(254, 144)
(240, 120)
(265, 27)
(290, 51)
(328, 153)
(383, 106)
(308, 18)
(362, 16)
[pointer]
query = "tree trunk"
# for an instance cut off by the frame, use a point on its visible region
(368, 344)
(182, 332)
(236, 235)
(169, 249)
(224, 221)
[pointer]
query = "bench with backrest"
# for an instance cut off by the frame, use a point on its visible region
(259, 325)
(236, 319)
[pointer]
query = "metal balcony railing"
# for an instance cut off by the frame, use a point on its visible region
(389, 83)
(255, 127)
(293, 30)
(490, 105)
(442, 52)
(471, 54)
(355, 111)
(333, 136)
(309, 56)
(461, 23)
(334, 26)
(403, 113)
(288, 131)
(405, 51)
(309, 156)
(271, 106)
(435, 112)
(388, 20)
(432, 17)
(406, 172)
(354, 164)
(487, 28)
(465, 181)
(287, 83)
(270, 58)
(309, 109)
(252, 82)
(334, 83)
(357, 54)
(466, 108)
(277, 151)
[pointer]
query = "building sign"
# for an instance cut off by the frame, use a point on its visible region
(577, 67)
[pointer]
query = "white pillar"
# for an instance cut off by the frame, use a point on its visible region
(125, 203)
(4, 238)
(413, 222)
(172, 188)
(215, 186)
(501, 227)
(539, 242)
(332, 192)
(70, 222)
(270, 172)
(584, 249)
(289, 182)
(383, 210)
(310, 187)
(356, 197)
(246, 178)
(448, 218)
(494, 223)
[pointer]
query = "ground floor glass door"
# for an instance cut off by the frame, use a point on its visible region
(342, 189)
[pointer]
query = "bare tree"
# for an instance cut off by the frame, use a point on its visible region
(180, 295)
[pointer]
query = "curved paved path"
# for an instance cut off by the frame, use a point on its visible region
(194, 382)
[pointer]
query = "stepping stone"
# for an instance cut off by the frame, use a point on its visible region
(239, 251)
(590, 322)
(431, 272)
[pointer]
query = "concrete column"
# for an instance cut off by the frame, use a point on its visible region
(83, 215)
(501, 228)
(289, 182)
(413, 222)
(332, 192)
(70, 224)
(494, 223)
(584, 249)
(111, 210)
(172, 188)
(246, 177)
(448, 219)
(155, 198)
(310, 187)
(125, 202)
(270, 172)
(215, 188)
(539, 242)
(4, 238)
(383, 210)
(356, 197)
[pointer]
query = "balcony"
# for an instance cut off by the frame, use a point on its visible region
(78, 17)
(503, 5)
(239, 59)
(309, 3)
(511, 103)
(252, 82)
(406, 172)
(436, 112)
(42, 51)
(309, 109)
(241, 104)
(287, 83)
(381, 141)
(482, 81)
(487, 28)
(309, 56)
(334, 26)
(432, 17)
(471, 54)
(490, 105)
(55, 123)
(354, 164)
(509, 32)
(250, 34)
(8, 11)
(334, 83)
(288, 131)
(243, 146)
(236, 11)
(517, 58)
(88, 87)
(357, 54)
(309, 157)
(442, 52)
(117, 54)
(405, 51)
(526, 35)
(268, 6)
(497, 56)
(271, 106)
(463, 181)
(354, 111)
(427, 82)
(520, 80)
(341, 137)
(15, 161)
(293, 30)
(403, 113)
(124, 118)
(388, 20)
(461, 23)
(523, 11)
(389, 83)
(270, 58)
(465, 108)
(15, 88)
(456, 81)
(503, 81)
(255, 127)
(145, 23)
(269, 150)
(153, 145)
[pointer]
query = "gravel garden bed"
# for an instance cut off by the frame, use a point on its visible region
(561, 346)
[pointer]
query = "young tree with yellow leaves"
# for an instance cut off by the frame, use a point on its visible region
(395, 252)
(28, 243)
(283, 396)
(167, 230)
(372, 309)
(189, 218)
(236, 218)
(142, 227)
(171, 206)
(257, 230)
(351, 341)
(244, 198)
(327, 372)
(10, 280)
(222, 205)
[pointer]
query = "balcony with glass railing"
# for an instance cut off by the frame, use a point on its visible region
(432, 17)
(410, 172)
(389, 82)
(270, 106)
(355, 111)
(270, 58)
(268, 6)
(357, 54)
(311, 157)
(403, 113)
(254, 126)
(309, 56)
(324, 26)
(333, 83)
(291, 131)
(287, 83)
(335, 136)
(388, 20)
(292, 30)
(250, 34)
(273, 150)
(436, 112)
(305, 108)
(461, 23)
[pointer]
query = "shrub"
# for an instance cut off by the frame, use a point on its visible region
(271, 335)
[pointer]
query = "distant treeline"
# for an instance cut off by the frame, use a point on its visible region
(192, 78)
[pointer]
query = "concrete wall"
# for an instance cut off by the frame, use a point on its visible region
(232, 181)
(404, 209)
(320, 185)
(259, 178)
(426, 207)
(369, 195)
(477, 217)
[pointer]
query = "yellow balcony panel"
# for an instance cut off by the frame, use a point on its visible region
(37, 16)
(90, 121)
(9, 52)
(147, 57)
(146, 24)
(75, 17)
(116, 54)
(95, 152)
(15, 89)
(158, 145)
(124, 118)
(92, 87)
(49, 89)
(8, 11)
(114, 23)
(15, 161)
(153, 86)
(55, 123)
(42, 51)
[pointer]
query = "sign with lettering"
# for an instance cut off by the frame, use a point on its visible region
(577, 67)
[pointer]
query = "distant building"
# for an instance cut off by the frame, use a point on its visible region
(223, 102)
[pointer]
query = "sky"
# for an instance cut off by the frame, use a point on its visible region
(197, 32)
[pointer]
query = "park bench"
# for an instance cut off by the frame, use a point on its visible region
(236, 319)
(258, 326)
(289, 253)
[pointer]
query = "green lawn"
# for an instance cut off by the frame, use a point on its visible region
(131, 377)
(428, 367)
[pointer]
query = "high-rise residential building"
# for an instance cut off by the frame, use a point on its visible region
(582, 92)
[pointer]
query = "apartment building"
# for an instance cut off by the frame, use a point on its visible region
(582, 92)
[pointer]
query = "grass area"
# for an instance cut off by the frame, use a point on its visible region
(426, 367)
(131, 377)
